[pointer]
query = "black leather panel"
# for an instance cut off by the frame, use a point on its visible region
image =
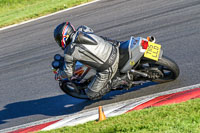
(84, 38)
(123, 54)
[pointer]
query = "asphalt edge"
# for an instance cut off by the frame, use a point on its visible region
(61, 11)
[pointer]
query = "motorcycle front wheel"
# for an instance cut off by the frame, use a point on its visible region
(72, 90)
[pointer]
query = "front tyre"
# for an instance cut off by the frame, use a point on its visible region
(163, 70)
(72, 90)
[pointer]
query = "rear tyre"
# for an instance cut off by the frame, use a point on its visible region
(167, 67)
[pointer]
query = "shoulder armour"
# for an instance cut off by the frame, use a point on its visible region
(84, 38)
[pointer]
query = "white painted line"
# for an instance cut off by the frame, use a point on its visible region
(65, 10)
(175, 90)
(128, 107)
(78, 119)
(89, 117)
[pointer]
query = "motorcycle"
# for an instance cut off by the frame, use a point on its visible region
(141, 60)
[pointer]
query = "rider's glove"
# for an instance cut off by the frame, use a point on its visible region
(60, 75)
(57, 77)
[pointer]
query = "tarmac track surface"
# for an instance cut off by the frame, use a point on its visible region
(28, 91)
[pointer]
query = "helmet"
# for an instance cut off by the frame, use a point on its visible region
(62, 34)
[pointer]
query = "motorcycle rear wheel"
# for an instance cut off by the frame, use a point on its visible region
(167, 66)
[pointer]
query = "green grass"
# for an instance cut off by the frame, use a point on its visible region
(15, 11)
(175, 118)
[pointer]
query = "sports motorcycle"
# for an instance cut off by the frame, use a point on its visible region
(141, 60)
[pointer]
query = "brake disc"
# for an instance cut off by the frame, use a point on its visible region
(154, 73)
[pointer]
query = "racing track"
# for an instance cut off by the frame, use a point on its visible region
(28, 91)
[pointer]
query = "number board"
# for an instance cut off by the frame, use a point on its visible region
(153, 51)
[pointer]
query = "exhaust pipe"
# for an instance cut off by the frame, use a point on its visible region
(140, 73)
(151, 39)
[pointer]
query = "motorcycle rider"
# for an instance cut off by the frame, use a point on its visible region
(97, 52)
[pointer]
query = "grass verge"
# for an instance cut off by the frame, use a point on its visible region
(175, 118)
(15, 11)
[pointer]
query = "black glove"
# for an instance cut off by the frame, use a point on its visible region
(60, 75)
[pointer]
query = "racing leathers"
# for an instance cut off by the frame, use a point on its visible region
(96, 52)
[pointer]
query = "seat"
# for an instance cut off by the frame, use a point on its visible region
(123, 53)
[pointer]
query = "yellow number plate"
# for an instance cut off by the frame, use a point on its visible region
(153, 51)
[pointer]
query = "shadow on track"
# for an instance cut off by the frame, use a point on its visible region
(51, 106)
(112, 94)
(55, 106)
